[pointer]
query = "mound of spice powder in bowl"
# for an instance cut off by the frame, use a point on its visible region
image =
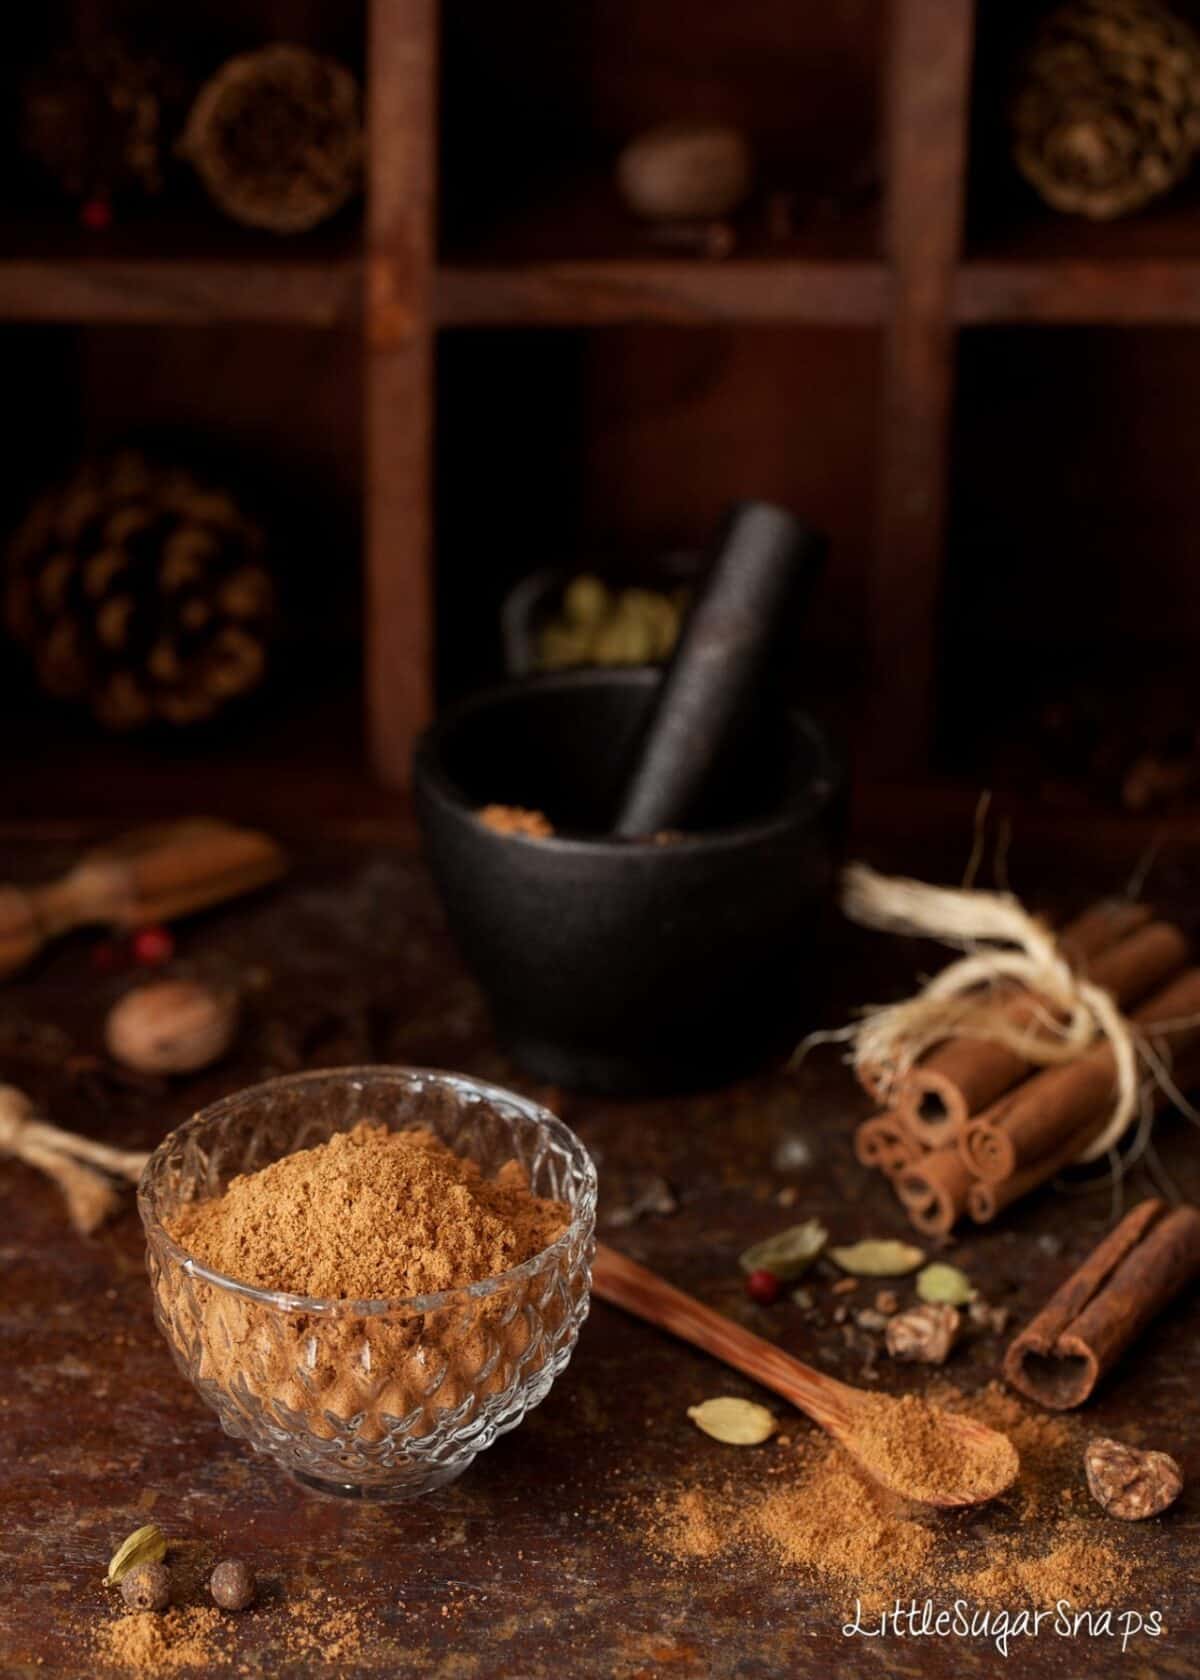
(371, 1214)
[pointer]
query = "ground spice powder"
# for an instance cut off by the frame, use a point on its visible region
(906, 1439)
(809, 1509)
(149, 1643)
(370, 1213)
(515, 819)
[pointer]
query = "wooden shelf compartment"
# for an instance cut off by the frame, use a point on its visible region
(181, 266)
(172, 257)
(273, 412)
(574, 255)
(531, 226)
(1030, 264)
(1025, 262)
(1070, 565)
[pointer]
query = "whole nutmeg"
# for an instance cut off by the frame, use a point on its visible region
(685, 170)
(148, 1587)
(232, 1584)
(171, 1026)
(1128, 1482)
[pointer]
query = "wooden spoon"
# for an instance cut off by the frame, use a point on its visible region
(835, 1406)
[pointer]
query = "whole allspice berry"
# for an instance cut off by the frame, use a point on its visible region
(232, 1584)
(148, 1587)
(171, 1026)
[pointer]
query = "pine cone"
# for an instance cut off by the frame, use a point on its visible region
(276, 137)
(142, 591)
(1107, 115)
(93, 119)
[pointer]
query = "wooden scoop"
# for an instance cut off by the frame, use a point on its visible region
(151, 875)
(835, 1406)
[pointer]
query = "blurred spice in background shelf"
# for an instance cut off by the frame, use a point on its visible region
(97, 120)
(596, 625)
(140, 590)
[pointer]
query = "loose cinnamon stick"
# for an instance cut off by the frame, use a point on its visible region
(965, 1075)
(934, 1191)
(1082, 1331)
(1044, 1113)
(885, 1142)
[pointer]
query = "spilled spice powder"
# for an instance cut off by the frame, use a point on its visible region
(515, 819)
(688, 1529)
(1074, 1567)
(318, 1629)
(370, 1213)
(844, 1525)
(813, 1512)
(149, 1643)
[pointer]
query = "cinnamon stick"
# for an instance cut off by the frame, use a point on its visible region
(1082, 1331)
(1047, 1111)
(885, 1142)
(934, 1191)
(965, 1075)
(985, 1199)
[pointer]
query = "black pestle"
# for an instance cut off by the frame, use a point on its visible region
(765, 563)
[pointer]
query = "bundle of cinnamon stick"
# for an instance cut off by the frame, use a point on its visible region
(973, 1125)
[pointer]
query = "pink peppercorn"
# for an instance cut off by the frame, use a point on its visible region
(764, 1287)
(152, 946)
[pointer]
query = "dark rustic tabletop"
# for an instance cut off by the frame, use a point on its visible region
(534, 1564)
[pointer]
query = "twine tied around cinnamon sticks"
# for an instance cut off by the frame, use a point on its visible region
(73, 1162)
(1005, 948)
(972, 1123)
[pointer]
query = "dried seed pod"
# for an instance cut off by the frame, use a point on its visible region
(733, 1421)
(1107, 114)
(96, 119)
(878, 1258)
(232, 1584)
(148, 1587)
(925, 1334)
(276, 137)
(139, 589)
(1130, 1483)
(172, 1026)
(940, 1282)
(788, 1253)
(147, 1544)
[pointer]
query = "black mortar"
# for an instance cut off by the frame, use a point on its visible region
(629, 966)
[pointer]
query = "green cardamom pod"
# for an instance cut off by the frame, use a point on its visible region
(144, 1545)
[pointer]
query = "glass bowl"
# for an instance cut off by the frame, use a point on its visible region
(373, 1399)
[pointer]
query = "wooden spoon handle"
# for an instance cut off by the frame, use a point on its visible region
(626, 1284)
